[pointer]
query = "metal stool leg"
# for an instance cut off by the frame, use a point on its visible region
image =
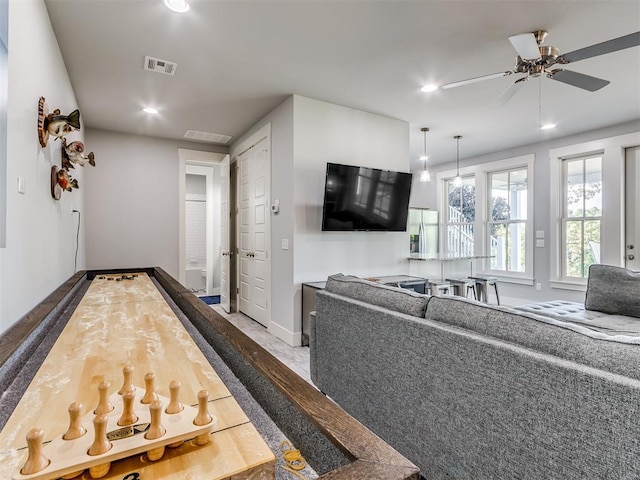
(495, 286)
(473, 289)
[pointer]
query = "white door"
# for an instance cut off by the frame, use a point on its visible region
(632, 224)
(253, 257)
(225, 218)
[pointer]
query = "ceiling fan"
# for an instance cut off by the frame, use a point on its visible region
(535, 59)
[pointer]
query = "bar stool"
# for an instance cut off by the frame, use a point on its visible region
(462, 286)
(482, 287)
(438, 287)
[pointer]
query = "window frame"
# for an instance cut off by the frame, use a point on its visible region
(565, 218)
(445, 214)
(526, 222)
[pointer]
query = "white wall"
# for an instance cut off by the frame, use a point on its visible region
(132, 201)
(41, 232)
(324, 133)
(424, 195)
(305, 135)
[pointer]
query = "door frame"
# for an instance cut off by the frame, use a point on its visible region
(632, 196)
(191, 157)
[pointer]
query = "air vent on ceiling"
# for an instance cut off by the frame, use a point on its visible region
(206, 137)
(160, 66)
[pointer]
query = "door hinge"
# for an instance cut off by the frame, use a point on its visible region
(237, 291)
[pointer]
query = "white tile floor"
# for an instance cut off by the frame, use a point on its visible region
(296, 358)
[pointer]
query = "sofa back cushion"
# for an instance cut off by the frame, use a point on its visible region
(393, 298)
(614, 290)
(534, 332)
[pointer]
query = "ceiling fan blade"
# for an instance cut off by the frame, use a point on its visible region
(475, 79)
(620, 43)
(579, 80)
(509, 92)
(526, 45)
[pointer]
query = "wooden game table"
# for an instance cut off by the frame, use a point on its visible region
(129, 321)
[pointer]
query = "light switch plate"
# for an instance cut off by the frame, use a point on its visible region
(539, 233)
(21, 185)
(539, 243)
(285, 244)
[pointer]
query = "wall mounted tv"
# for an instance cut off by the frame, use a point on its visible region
(361, 198)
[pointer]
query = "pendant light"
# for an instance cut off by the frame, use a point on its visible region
(457, 181)
(425, 176)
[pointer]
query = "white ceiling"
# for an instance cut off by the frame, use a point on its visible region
(238, 59)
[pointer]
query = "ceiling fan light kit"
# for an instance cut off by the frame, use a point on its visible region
(535, 59)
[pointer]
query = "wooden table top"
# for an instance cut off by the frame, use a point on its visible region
(128, 321)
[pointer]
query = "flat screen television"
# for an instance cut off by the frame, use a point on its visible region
(366, 199)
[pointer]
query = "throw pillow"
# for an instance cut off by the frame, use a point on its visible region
(614, 290)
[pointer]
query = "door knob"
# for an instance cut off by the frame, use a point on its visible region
(631, 257)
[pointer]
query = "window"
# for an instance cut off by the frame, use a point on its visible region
(507, 220)
(498, 227)
(460, 214)
(582, 215)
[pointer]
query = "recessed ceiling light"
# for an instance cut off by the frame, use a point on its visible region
(179, 6)
(431, 87)
(150, 110)
(548, 126)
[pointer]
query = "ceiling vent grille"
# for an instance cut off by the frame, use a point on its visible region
(206, 137)
(160, 66)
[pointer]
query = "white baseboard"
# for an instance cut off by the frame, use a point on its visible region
(293, 339)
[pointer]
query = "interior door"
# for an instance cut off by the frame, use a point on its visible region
(632, 223)
(259, 203)
(225, 220)
(254, 263)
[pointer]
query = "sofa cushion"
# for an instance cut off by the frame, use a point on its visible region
(397, 299)
(614, 290)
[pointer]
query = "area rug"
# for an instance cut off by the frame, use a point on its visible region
(212, 300)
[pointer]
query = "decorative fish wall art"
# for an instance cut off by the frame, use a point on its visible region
(56, 125)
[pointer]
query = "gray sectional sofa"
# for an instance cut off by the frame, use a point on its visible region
(470, 391)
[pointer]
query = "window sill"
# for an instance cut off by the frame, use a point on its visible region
(565, 285)
(510, 279)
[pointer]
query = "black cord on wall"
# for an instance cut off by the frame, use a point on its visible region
(75, 260)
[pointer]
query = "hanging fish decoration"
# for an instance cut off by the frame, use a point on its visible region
(75, 152)
(61, 125)
(66, 181)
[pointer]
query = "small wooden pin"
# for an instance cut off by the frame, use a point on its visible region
(36, 460)
(100, 443)
(75, 430)
(127, 384)
(150, 393)
(203, 417)
(128, 416)
(174, 404)
(104, 406)
(99, 446)
(156, 430)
